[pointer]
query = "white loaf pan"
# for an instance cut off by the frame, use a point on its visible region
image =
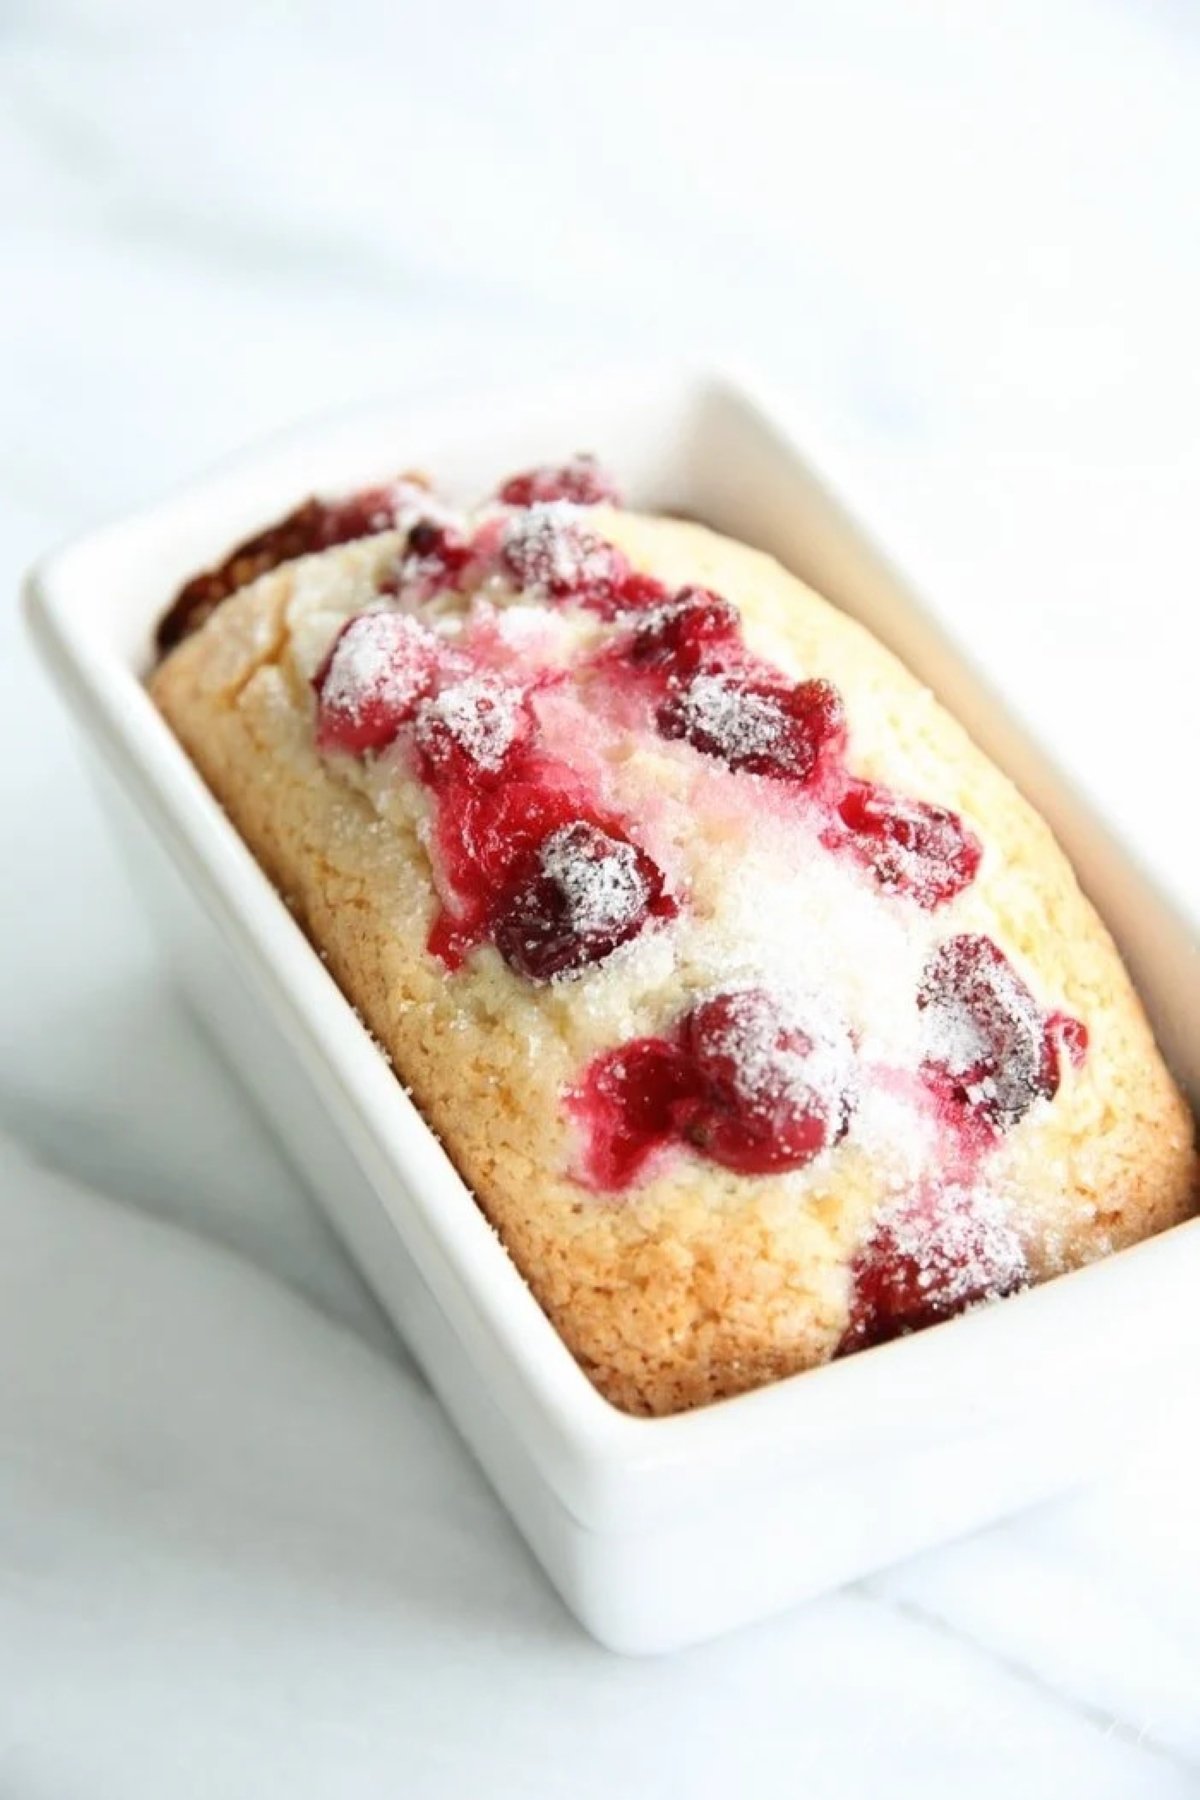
(655, 1532)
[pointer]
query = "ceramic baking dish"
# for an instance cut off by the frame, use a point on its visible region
(655, 1532)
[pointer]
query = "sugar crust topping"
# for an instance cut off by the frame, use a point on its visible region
(833, 898)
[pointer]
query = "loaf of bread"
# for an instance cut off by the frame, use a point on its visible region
(761, 1014)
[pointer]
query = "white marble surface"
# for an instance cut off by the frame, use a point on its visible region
(239, 1550)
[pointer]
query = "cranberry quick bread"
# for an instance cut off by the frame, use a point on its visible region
(764, 1018)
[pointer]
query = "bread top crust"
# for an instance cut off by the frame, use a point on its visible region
(694, 1280)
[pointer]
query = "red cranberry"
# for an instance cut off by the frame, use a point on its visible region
(630, 1105)
(581, 481)
(486, 834)
(380, 666)
(434, 559)
(1071, 1036)
(315, 525)
(472, 729)
(923, 852)
(490, 828)
(581, 894)
(742, 1080)
(549, 553)
(759, 725)
(633, 593)
(362, 514)
(928, 1258)
(434, 555)
(689, 632)
(638, 593)
(991, 1050)
(771, 1094)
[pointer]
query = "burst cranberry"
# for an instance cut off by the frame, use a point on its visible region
(581, 894)
(581, 481)
(691, 631)
(1071, 1035)
(486, 833)
(756, 724)
(991, 1052)
(489, 830)
(549, 553)
(928, 1258)
(630, 1105)
(771, 1094)
(379, 668)
(923, 852)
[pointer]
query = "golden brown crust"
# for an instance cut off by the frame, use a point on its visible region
(699, 1283)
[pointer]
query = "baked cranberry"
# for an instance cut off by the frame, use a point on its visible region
(581, 481)
(362, 514)
(435, 554)
(378, 669)
(760, 725)
(630, 1105)
(314, 525)
(582, 893)
(991, 1052)
(928, 1258)
(472, 728)
(1071, 1036)
(638, 593)
(632, 593)
(771, 1094)
(547, 551)
(486, 831)
(741, 1080)
(690, 631)
(489, 829)
(912, 848)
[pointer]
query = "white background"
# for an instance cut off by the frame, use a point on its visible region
(240, 1553)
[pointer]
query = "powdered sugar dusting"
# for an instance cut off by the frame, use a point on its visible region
(524, 638)
(896, 1131)
(808, 925)
(524, 631)
(480, 714)
(525, 628)
(960, 1250)
(955, 1039)
(984, 1031)
(774, 1048)
(598, 877)
(918, 851)
(552, 553)
(381, 658)
(738, 725)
